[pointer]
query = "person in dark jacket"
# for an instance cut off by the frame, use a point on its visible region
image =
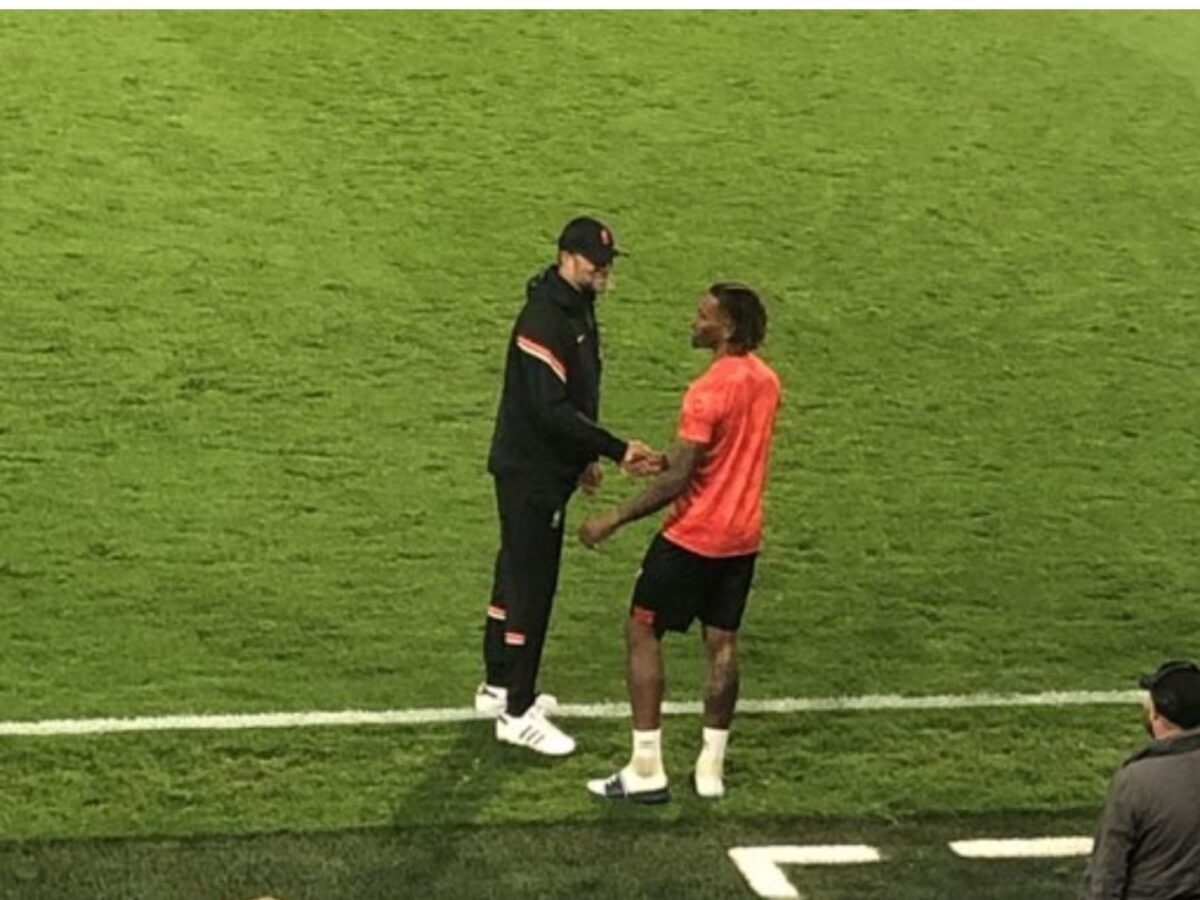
(1148, 841)
(547, 442)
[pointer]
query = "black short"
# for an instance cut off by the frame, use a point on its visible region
(676, 586)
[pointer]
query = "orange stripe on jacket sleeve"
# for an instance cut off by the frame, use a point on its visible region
(545, 354)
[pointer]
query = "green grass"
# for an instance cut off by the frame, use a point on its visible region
(610, 859)
(848, 764)
(256, 274)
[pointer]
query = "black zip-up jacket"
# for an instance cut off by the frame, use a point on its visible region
(546, 427)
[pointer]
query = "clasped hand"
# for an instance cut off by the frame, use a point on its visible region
(641, 460)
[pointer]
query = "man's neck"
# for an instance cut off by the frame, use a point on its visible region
(565, 277)
(723, 349)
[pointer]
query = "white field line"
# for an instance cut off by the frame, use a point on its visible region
(430, 716)
(1022, 848)
(760, 866)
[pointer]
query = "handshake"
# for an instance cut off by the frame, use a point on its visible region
(640, 460)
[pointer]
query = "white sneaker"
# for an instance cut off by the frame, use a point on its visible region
(492, 701)
(535, 731)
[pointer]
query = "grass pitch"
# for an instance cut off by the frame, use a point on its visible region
(256, 274)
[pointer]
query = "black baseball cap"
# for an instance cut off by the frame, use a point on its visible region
(1175, 689)
(591, 238)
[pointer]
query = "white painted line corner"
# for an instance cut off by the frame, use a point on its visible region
(760, 866)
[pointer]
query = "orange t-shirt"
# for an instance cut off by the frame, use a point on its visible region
(730, 409)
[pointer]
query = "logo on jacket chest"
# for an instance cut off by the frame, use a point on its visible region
(587, 346)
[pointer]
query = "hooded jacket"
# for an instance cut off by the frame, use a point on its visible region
(546, 429)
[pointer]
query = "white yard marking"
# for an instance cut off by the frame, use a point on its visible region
(761, 865)
(429, 716)
(1023, 848)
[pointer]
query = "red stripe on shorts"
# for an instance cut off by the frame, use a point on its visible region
(642, 615)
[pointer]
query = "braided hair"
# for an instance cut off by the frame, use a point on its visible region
(745, 311)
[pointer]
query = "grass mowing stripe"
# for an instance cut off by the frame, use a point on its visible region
(357, 717)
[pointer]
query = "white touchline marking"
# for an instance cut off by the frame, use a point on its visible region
(1022, 848)
(430, 716)
(761, 865)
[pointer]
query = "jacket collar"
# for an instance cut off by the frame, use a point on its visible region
(554, 287)
(1186, 742)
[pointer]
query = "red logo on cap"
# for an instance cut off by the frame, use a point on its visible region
(605, 237)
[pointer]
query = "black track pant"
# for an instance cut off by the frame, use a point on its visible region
(532, 520)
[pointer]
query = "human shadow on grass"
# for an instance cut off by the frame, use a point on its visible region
(458, 784)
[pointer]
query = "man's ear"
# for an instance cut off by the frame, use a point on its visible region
(1152, 713)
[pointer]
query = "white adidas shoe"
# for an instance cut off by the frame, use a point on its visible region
(535, 731)
(492, 701)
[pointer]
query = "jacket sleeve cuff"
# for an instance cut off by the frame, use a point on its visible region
(615, 449)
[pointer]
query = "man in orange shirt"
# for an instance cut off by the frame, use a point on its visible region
(702, 562)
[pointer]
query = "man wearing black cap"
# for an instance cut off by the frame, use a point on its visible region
(1148, 840)
(546, 443)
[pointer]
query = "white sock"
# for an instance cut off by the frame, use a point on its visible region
(711, 762)
(646, 763)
